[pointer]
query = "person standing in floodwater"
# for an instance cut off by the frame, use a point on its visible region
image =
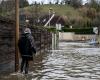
(26, 49)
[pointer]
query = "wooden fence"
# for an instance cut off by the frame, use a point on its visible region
(7, 43)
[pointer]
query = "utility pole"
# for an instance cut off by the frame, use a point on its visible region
(50, 15)
(16, 35)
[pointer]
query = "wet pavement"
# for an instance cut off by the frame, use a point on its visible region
(72, 61)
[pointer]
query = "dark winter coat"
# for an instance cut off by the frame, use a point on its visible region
(26, 46)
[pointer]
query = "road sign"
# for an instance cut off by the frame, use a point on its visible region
(95, 30)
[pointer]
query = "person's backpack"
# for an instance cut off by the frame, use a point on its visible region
(33, 50)
(25, 45)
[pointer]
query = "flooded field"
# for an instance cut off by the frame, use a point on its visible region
(72, 61)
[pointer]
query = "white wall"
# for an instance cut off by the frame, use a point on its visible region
(73, 36)
(66, 36)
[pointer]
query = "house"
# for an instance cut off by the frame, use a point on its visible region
(56, 20)
(42, 20)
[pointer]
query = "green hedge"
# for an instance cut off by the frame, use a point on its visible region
(79, 30)
(52, 29)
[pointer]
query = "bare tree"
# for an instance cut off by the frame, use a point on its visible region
(50, 2)
(42, 2)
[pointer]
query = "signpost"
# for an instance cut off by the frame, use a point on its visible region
(58, 27)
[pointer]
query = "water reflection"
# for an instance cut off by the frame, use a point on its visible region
(73, 61)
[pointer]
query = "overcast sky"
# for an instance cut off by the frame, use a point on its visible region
(45, 1)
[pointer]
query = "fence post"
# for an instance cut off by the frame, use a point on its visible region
(40, 42)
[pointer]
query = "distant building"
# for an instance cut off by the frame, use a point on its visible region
(41, 21)
(56, 20)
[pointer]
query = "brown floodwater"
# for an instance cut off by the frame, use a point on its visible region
(72, 61)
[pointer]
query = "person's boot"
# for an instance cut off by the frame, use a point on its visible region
(26, 67)
(22, 65)
(26, 70)
(21, 70)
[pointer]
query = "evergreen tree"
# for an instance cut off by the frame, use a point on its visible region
(57, 2)
(23, 3)
(95, 4)
(74, 3)
(7, 5)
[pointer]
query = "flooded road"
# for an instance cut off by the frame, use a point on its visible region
(73, 61)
